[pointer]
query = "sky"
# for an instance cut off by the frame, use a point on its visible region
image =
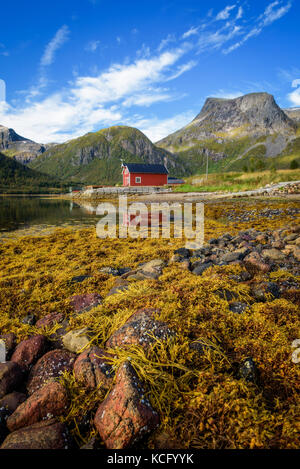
(72, 67)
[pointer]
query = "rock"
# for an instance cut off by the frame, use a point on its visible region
(80, 278)
(273, 254)
(50, 320)
(43, 435)
(57, 336)
(51, 366)
(4, 413)
(200, 268)
(230, 257)
(29, 351)
(118, 289)
(11, 401)
(92, 369)
(83, 303)
(248, 371)
(152, 269)
(10, 342)
(296, 253)
(125, 415)
(183, 252)
(11, 377)
(254, 263)
(225, 294)
(48, 402)
(30, 320)
(110, 271)
(238, 307)
(140, 329)
(76, 340)
(265, 290)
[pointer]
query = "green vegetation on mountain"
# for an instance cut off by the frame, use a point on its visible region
(96, 157)
(15, 177)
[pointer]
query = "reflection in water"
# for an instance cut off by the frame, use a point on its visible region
(23, 212)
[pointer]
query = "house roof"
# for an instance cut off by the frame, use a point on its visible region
(146, 168)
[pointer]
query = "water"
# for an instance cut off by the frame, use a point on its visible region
(21, 213)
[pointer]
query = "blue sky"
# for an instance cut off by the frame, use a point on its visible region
(71, 67)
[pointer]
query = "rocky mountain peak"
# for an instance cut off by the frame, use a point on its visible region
(22, 149)
(257, 112)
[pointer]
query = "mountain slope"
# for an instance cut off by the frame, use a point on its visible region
(20, 148)
(15, 176)
(293, 113)
(233, 132)
(96, 157)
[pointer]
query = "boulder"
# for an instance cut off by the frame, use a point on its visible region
(75, 341)
(152, 269)
(50, 320)
(29, 351)
(200, 268)
(43, 435)
(254, 263)
(140, 329)
(273, 254)
(125, 415)
(11, 401)
(11, 377)
(83, 303)
(48, 402)
(92, 369)
(10, 343)
(238, 307)
(51, 366)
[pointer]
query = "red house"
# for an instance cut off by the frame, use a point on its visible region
(135, 174)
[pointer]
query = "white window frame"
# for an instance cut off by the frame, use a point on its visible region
(138, 180)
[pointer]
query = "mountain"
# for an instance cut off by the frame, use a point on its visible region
(20, 148)
(15, 177)
(231, 133)
(293, 113)
(96, 157)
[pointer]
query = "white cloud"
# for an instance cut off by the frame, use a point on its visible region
(56, 42)
(92, 46)
(191, 32)
(294, 96)
(240, 13)
(165, 42)
(296, 83)
(92, 101)
(271, 14)
(224, 14)
(156, 129)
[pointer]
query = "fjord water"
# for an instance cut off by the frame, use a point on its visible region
(17, 213)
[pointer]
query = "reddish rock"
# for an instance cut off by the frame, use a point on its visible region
(29, 351)
(43, 435)
(50, 320)
(140, 329)
(48, 402)
(92, 369)
(125, 415)
(10, 377)
(254, 263)
(83, 303)
(10, 343)
(12, 401)
(49, 367)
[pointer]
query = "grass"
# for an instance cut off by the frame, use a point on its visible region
(237, 181)
(201, 401)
